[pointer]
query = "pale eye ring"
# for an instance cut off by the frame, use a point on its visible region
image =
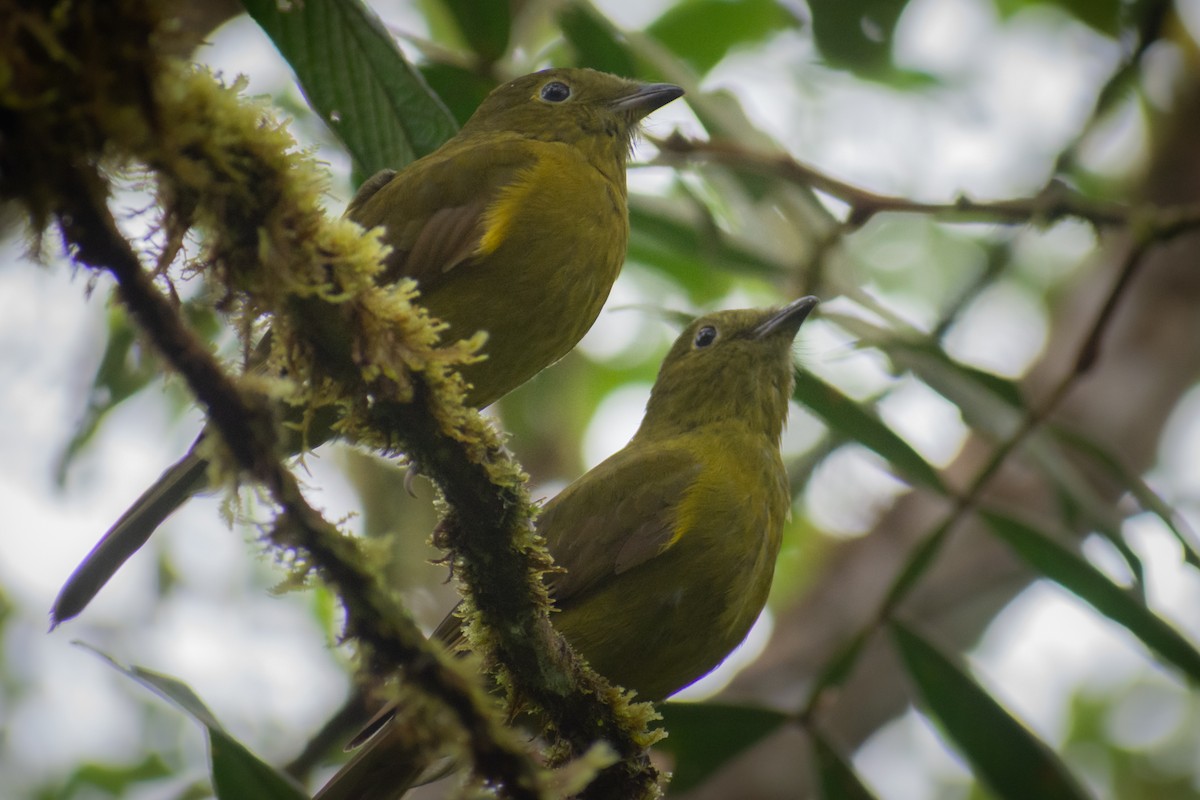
(555, 92)
(705, 337)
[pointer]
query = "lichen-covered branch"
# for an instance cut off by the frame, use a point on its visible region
(383, 629)
(85, 89)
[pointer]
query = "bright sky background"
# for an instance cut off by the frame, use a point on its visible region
(1014, 94)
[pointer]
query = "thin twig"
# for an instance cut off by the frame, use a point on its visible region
(926, 551)
(1056, 201)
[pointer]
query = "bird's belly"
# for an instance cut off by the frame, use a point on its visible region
(658, 644)
(539, 291)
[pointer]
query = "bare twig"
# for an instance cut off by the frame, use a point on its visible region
(1056, 201)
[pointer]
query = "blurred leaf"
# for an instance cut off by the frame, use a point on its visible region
(704, 736)
(1004, 388)
(988, 402)
(356, 79)
(1005, 754)
(836, 778)
(1146, 496)
(461, 89)
(125, 369)
(1064, 567)
(116, 780)
(595, 42)
(701, 32)
(995, 405)
(1082, 505)
(664, 236)
(237, 773)
(856, 34)
(857, 423)
(1103, 15)
(485, 26)
(837, 669)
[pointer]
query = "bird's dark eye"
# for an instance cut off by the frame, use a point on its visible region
(555, 92)
(704, 337)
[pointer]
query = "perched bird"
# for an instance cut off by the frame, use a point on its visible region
(516, 226)
(668, 547)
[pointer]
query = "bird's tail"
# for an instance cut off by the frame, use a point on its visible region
(174, 487)
(386, 766)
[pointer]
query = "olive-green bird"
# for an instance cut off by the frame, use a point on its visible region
(517, 226)
(667, 547)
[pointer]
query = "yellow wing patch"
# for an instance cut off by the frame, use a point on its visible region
(500, 214)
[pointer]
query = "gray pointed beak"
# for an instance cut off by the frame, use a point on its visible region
(788, 318)
(647, 97)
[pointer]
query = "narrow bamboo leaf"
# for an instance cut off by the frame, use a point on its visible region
(987, 402)
(237, 774)
(356, 79)
(675, 241)
(1081, 504)
(1010, 759)
(704, 736)
(919, 560)
(1007, 390)
(853, 421)
(1146, 496)
(837, 669)
(702, 32)
(1074, 573)
(835, 776)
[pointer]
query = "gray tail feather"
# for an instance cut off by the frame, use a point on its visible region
(384, 768)
(174, 487)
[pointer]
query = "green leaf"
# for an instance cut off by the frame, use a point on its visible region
(689, 248)
(850, 419)
(1006, 756)
(856, 34)
(1103, 15)
(1072, 572)
(838, 668)
(115, 779)
(356, 79)
(702, 32)
(125, 369)
(461, 89)
(237, 773)
(1005, 389)
(485, 26)
(704, 736)
(1146, 496)
(835, 776)
(595, 42)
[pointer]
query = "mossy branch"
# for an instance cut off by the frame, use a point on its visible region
(383, 628)
(226, 169)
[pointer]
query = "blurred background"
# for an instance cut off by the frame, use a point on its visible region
(944, 334)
